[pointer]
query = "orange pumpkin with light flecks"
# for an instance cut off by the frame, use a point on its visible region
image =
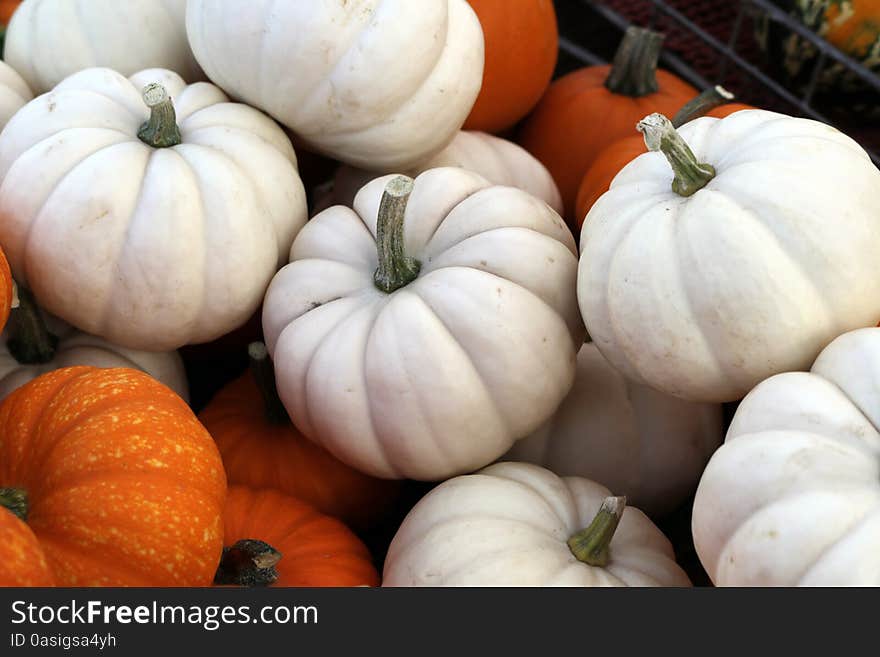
(22, 562)
(116, 478)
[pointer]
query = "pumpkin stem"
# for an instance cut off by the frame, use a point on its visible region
(30, 341)
(634, 70)
(264, 375)
(699, 106)
(591, 545)
(16, 500)
(161, 130)
(248, 563)
(396, 269)
(690, 175)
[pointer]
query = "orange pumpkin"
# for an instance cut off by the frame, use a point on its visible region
(22, 562)
(261, 448)
(585, 111)
(6, 289)
(116, 478)
(274, 539)
(522, 44)
(601, 173)
(7, 8)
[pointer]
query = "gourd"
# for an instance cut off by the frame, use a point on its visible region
(713, 102)
(522, 45)
(116, 478)
(22, 562)
(741, 260)
(420, 333)
(261, 448)
(378, 84)
(499, 161)
(49, 40)
(636, 441)
(34, 343)
(272, 539)
(517, 524)
(587, 110)
(198, 203)
(14, 93)
(792, 498)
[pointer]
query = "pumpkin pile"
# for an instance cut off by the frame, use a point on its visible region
(362, 297)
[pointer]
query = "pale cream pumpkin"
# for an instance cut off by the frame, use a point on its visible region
(152, 228)
(792, 498)
(14, 93)
(378, 84)
(47, 40)
(517, 524)
(499, 161)
(638, 442)
(432, 359)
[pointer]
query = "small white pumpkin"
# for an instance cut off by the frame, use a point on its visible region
(792, 498)
(14, 93)
(761, 250)
(430, 360)
(34, 343)
(517, 524)
(638, 442)
(379, 84)
(47, 40)
(499, 161)
(139, 230)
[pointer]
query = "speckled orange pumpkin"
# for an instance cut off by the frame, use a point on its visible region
(261, 448)
(272, 539)
(116, 478)
(22, 562)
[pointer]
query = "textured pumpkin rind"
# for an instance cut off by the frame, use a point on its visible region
(22, 562)
(316, 550)
(262, 455)
(522, 46)
(125, 487)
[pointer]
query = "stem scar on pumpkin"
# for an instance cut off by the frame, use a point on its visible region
(16, 500)
(248, 563)
(691, 175)
(591, 546)
(161, 129)
(396, 269)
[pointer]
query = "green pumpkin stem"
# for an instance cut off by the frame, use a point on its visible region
(30, 342)
(16, 500)
(396, 269)
(591, 546)
(634, 70)
(264, 375)
(699, 106)
(248, 563)
(161, 130)
(690, 174)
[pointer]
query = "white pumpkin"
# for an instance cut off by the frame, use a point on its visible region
(638, 442)
(462, 341)
(517, 524)
(38, 343)
(149, 247)
(47, 40)
(14, 93)
(771, 256)
(379, 84)
(793, 495)
(499, 161)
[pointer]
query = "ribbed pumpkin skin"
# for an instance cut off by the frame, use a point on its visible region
(578, 117)
(522, 44)
(260, 454)
(5, 290)
(22, 562)
(316, 550)
(610, 161)
(125, 487)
